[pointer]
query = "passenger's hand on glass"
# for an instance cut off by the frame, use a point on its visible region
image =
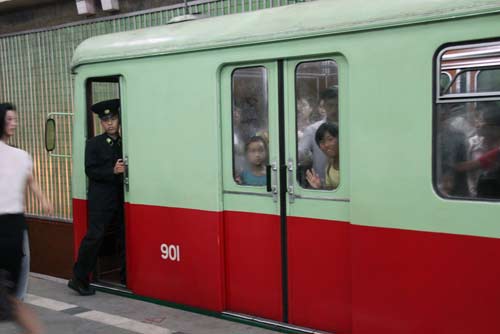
(313, 178)
(119, 167)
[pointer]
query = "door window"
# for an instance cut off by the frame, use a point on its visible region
(317, 120)
(250, 125)
(98, 90)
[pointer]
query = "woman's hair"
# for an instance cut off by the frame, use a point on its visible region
(325, 128)
(4, 107)
(255, 139)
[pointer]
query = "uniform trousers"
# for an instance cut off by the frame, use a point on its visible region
(91, 243)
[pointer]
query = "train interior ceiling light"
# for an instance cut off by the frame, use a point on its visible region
(87, 7)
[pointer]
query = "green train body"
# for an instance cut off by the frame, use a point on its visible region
(386, 251)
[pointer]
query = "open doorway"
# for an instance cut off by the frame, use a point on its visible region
(110, 264)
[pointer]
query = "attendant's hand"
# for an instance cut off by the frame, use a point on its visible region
(313, 179)
(119, 167)
(47, 207)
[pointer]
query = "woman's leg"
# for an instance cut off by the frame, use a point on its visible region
(22, 286)
(26, 318)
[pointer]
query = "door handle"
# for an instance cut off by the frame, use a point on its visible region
(271, 180)
(269, 186)
(125, 176)
(290, 180)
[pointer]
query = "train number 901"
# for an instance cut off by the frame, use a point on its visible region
(170, 252)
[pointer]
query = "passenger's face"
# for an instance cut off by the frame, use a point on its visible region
(488, 130)
(256, 153)
(10, 123)
(111, 125)
(329, 109)
(236, 115)
(304, 108)
(329, 145)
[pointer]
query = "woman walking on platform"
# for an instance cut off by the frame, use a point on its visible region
(15, 177)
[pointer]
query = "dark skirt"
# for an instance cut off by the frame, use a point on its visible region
(12, 227)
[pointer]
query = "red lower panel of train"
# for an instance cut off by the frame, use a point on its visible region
(252, 262)
(341, 277)
(319, 274)
(419, 282)
(172, 254)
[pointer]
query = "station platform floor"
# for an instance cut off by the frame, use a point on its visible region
(62, 311)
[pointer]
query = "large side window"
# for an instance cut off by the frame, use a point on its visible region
(250, 125)
(467, 122)
(317, 120)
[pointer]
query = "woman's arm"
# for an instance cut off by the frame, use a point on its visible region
(484, 162)
(35, 188)
(466, 166)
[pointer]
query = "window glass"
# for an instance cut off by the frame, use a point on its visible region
(445, 81)
(467, 138)
(107, 89)
(471, 70)
(468, 149)
(317, 120)
(488, 80)
(250, 126)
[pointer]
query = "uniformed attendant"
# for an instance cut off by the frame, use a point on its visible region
(104, 167)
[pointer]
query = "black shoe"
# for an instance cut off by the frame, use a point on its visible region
(80, 287)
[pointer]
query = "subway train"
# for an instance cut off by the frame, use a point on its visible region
(237, 204)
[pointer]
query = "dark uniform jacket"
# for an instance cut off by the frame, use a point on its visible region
(105, 191)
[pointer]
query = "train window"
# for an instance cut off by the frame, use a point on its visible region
(317, 121)
(100, 89)
(444, 81)
(250, 125)
(467, 137)
(488, 80)
(473, 71)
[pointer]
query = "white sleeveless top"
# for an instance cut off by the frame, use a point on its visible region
(15, 167)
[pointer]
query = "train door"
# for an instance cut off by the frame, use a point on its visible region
(317, 215)
(286, 238)
(108, 271)
(252, 225)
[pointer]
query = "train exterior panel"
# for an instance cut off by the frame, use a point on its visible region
(382, 253)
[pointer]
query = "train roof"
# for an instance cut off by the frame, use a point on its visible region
(321, 17)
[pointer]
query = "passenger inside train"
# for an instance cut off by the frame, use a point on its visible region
(309, 152)
(326, 138)
(468, 156)
(256, 154)
(487, 181)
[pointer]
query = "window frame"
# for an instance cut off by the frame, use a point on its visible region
(90, 119)
(440, 99)
(295, 106)
(461, 97)
(233, 156)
